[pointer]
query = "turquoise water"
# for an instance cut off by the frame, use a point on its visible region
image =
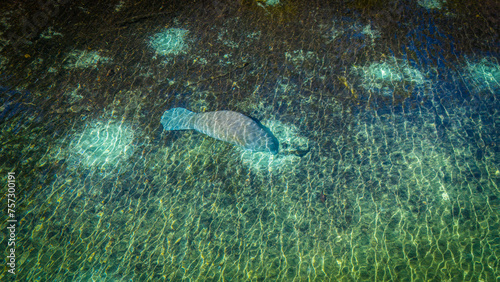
(387, 118)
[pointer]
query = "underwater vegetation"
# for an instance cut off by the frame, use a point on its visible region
(100, 145)
(3, 62)
(171, 41)
(84, 59)
(432, 4)
(483, 75)
(389, 75)
(364, 187)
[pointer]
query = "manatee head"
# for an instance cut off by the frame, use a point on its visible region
(263, 140)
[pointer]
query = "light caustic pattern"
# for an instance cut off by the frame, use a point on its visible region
(408, 202)
(360, 190)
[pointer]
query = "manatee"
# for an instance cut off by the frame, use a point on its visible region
(227, 126)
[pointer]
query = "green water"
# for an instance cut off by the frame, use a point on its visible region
(388, 123)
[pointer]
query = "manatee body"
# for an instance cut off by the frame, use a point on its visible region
(227, 126)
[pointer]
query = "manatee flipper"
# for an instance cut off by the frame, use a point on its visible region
(177, 119)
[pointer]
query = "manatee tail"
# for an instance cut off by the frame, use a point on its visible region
(177, 119)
